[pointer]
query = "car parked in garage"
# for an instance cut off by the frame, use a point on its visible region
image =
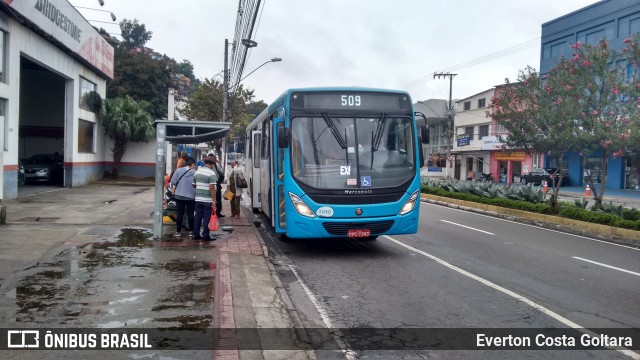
(551, 175)
(21, 178)
(43, 168)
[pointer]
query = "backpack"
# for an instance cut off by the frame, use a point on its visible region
(240, 181)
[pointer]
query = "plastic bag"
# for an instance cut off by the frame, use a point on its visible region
(213, 222)
(228, 195)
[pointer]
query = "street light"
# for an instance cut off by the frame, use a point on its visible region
(113, 16)
(249, 43)
(276, 59)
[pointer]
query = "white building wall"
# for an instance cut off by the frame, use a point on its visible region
(476, 116)
(21, 41)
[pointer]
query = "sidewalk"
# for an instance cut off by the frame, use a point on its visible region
(628, 196)
(82, 257)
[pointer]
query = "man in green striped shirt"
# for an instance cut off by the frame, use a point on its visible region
(204, 181)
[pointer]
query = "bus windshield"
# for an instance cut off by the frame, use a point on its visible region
(352, 152)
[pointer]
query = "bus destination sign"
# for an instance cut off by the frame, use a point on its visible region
(351, 101)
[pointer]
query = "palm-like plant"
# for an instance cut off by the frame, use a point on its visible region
(126, 120)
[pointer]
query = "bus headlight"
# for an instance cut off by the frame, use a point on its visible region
(410, 204)
(300, 206)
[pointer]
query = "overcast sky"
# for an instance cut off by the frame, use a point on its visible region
(395, 44)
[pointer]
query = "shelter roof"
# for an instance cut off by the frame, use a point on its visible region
(194, 132)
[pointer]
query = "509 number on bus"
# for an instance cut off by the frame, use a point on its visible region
(350, 100)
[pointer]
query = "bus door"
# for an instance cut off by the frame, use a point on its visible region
(253, 162)
(266, 171)
(279, 152)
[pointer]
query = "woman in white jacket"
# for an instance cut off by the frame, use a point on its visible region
(237, 191)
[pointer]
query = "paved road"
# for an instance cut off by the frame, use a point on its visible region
(463, 270)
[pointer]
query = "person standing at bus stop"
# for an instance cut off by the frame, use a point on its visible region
(237, 191)
(200, 162)
(185, 195)
(220, 172)
(205, 182)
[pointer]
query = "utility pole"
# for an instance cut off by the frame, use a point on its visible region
(450, 129)
(225, 100)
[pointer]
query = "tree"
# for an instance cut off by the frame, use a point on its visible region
(137, 73)
(602, 86)
(185, 68)
(140, 76)
(134, 34)
(533, 119)
(126, 120)
(594, 98)
(206, 102)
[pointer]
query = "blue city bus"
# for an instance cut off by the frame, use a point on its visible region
(336, 162)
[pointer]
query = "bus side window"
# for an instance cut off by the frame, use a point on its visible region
(264, 148)
(256, 150)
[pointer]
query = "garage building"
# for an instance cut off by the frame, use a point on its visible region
(53, 67)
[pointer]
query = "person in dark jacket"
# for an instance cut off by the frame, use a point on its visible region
(218, 168)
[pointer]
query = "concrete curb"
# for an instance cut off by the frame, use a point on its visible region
(602, 232)
(294, 317)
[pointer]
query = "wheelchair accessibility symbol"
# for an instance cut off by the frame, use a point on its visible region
(365, 180)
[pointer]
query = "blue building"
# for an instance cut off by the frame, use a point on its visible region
(614, 20)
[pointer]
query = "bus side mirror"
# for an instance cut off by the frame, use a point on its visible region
(425, 134)
(424, 128)
(283, 136)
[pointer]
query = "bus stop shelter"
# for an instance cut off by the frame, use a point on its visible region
(178, 132)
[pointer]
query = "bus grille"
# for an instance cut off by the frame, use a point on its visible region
(341, 228)
(342, 199)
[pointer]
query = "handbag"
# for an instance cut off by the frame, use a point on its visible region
(228, 195)
(213, 222)
(240, 181)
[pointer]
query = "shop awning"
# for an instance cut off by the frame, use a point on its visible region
(193, 132)
(469, 151)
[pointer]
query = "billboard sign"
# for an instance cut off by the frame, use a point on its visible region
(63, 22)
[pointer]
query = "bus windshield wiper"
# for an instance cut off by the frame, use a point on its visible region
(334, 130)
(378, 135)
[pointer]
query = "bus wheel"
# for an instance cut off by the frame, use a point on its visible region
(283, 237)
(255, 210)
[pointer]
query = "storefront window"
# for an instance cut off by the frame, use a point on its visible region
(86, 87)
(86, 130)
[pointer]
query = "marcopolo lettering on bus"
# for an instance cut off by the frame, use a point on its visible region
(325, 211)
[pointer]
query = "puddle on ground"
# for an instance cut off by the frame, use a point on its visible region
(115, 282)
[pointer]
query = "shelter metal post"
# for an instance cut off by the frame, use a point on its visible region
(161, 133)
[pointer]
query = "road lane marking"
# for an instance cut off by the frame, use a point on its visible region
(533, 226)
(607, 266)
(467, 227)
(514, 295)
(349, 354)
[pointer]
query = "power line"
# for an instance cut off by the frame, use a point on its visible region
(489, 57)
(245, 24)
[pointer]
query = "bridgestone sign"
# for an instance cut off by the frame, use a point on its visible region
(63, 22)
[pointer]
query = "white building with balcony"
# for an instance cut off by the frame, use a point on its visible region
(471, 125)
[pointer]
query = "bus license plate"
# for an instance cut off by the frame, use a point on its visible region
(358, 233)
